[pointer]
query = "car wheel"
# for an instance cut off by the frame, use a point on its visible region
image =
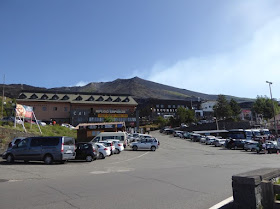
(101, 156)
(89, 158)
(63, 161)
(134, 148)
(48, 159)
(10, 158)
(153, 148)
(26, 161)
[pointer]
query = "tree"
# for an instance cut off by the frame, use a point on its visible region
(161, 121)
(222, 109)
(264, 106)
(235, 108)
(182, 114)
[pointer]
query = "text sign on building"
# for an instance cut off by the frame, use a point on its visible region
(111, 111)
(113, 115)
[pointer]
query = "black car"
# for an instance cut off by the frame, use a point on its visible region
(86, 151)
(235, 144)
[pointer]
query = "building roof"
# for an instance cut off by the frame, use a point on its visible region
(76, 98)
(99, 124)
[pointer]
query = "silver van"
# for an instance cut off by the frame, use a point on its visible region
(47, 149)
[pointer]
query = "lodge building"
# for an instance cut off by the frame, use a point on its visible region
(80, 107)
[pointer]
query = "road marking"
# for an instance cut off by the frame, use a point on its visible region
(130, 158)
(221, 204)
(112, 171)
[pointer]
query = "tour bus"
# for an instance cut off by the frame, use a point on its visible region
(103, 136)
(240, 134)
(222, 133)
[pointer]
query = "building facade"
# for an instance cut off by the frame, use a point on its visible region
(75, 108)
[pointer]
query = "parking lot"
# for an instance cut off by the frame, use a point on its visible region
(180, 174)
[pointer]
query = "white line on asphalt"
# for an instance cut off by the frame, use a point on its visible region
(130, 158)
(221, 204)
(111, 171)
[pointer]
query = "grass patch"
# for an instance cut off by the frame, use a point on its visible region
(48, 130)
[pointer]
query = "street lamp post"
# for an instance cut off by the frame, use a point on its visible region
(275, 125)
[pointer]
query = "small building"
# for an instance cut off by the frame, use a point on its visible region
(80, 107)
(87, 131)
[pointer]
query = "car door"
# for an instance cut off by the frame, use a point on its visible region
(142, 144)
(21, 150)
(35, 149)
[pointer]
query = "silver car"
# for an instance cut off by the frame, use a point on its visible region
(148, 143)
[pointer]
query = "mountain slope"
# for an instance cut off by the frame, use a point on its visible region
(137, 87)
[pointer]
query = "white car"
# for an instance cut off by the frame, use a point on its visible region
(109, 144)
(202, 139)
(103, 151)
(118, 145)
(210, 140)
(148, 143)
(219, 142)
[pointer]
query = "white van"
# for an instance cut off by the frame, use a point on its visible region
(103, 136)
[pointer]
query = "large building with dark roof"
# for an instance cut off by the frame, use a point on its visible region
(78, 107)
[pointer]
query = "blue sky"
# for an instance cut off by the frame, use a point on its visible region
(214, 47)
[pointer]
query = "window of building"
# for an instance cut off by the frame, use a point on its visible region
(33, 96)
(44, 108)
(65, 97)
(65, 109)
(55, 97)
(157, 106)
(22, 96)
(162, 106)
(169, 106)
(54, 108)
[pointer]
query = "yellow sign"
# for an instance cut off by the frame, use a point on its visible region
(113, 115)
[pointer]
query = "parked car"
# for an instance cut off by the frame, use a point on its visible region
(47, 149)
(103, 151)
(186, 135)
(118, 145)
(86, 151)
(111, 145)
(195, 137)
(149, 143)
(177, 133)
(15, 141)
(103, 136)
(251, 145)
(168, 131)
(219, 142)
(210, 140)
(235, 144)
(202, 139)
(272, 147)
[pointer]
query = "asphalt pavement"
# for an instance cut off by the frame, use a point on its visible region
(180, 174)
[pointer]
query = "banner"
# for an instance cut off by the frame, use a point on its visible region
(24, 111)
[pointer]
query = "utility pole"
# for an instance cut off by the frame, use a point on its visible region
(275, 125)
(2, 113)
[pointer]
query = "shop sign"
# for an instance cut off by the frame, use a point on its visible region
(113, 115)
(110, 111)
